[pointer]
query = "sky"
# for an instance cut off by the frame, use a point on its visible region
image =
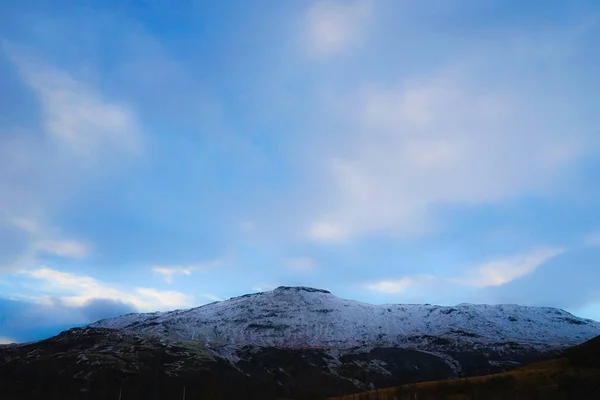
(160, 155)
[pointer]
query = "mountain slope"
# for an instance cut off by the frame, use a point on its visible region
(305, 317)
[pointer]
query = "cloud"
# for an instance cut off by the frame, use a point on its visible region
(5, 340)
(165, 300)
(23, 319)
(97, 309)
(53, 155)
(28, 225)
(334, 25)
(401, 285)
(569, 280)
(423, 144)
(327, 231)
(77, 290)
(300, 264)
(77, 114)
(169, 271)
(25, 241)
(63, 248)
(492, 273)
(500, 272)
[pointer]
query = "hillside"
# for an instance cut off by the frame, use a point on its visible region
(573, 375)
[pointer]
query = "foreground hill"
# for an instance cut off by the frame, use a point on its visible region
(574, 375)
(292, 342)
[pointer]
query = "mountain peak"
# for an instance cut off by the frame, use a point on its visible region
(301, 289)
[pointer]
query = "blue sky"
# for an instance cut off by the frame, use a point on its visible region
(157, 156)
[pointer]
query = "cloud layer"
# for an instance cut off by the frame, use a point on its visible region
(443, 141)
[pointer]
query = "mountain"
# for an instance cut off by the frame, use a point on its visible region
(292, 342)
(300, 317)
(575, 374)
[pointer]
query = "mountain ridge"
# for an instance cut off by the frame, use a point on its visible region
(302, 316)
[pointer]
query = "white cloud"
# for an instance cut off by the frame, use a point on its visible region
(300, 264)
(401, 285)
(63, 248)
(77, 290)
(37, 242)
(169, 271)
(164, 299)
(491, 273)
(40, 170)
(419, 145)
(334, 25)
(328, 231)
(77, 114)
(502, 271)
(27, 224)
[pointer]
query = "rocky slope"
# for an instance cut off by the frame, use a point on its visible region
(292, 342)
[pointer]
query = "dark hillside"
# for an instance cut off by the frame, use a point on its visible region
(575, 375)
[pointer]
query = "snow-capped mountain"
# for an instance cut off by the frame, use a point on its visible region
(292, 342)
(301, 317)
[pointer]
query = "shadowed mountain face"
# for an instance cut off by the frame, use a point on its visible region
(573, 375)
(299, 343)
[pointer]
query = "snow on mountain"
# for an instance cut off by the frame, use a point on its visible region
(306, 317)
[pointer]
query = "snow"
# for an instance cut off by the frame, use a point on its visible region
(312, 318)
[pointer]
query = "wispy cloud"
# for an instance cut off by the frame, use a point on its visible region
(77, 290)
(499, 272)
(488, 274)
(78, 115)
(394, 286)
(44, 165)
(168, 272)
(433, 142)
(37, 242)
(63, 248)
(28, 225)
(334, 25)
